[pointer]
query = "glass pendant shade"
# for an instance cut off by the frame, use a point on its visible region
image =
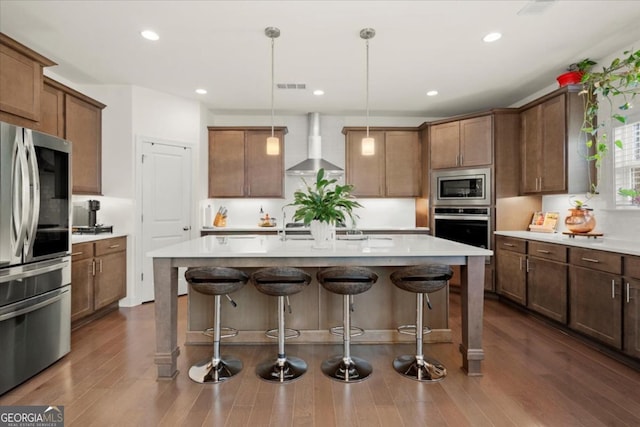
(368, 146)
(273, 146)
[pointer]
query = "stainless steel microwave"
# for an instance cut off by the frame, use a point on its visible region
(461, 187)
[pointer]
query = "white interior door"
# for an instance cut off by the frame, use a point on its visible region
(166, 205)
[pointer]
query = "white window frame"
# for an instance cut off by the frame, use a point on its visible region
(626, 160)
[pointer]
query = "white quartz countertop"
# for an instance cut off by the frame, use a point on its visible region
(254, 228)
(82, 238)
(603, 243)
(270, 246)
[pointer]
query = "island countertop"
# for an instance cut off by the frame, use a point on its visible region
(251, 251)
(269, 246)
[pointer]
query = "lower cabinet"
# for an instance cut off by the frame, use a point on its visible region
(511, 275)
(631, 307)
(593, 292)
(98, 278)
(547, 280)
(595, 302)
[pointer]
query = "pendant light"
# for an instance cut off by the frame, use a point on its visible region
(273, 143)
(368, 143)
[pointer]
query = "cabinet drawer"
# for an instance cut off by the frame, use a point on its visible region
(548, 251)
(511, 244)
(108, 246)
(597, 260)
(81, 251)
(632, 266)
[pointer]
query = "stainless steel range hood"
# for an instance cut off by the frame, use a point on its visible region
(314, 161)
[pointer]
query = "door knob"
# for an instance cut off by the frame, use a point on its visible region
(186, 228)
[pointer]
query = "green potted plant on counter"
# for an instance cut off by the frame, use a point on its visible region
(322, 205)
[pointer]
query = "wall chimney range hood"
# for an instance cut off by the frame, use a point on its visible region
(314, 161)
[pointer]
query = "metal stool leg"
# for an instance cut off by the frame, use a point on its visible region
(285, 368)
(417, 367)
(346, 368)
(216, 369)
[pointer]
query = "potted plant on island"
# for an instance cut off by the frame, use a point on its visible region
(322, 205)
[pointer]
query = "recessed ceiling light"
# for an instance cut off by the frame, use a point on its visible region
(318, 92)
(150, 35)
(432, 93)
(491, 37)
(201, 91)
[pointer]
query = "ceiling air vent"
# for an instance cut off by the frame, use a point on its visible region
(302, 86)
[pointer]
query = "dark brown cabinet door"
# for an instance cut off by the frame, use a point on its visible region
(264, 173)
(511, 275)
(83, 127)
(20, 84)
(547, 288)
(475, 141)
(82, 287)
(595, 305)
(531, 149)
(365, 173)
(554, 142)
(402, 164)
(52, 111)
(226, 163)
(110, 279)
(445, 145)
(631, 311)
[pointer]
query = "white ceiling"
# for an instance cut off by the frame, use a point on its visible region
(419, 46)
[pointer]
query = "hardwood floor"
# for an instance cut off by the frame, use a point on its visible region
(533, 376)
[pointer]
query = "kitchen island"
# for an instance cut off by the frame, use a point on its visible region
(254, 251)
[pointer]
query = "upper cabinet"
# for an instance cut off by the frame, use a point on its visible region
(75, 117)
(239, 165)
(395, 168)
(461, 143)
(553, 147)
(20, 82)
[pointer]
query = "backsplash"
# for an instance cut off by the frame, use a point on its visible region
(374, 213)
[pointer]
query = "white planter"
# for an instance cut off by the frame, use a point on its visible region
(323, 234)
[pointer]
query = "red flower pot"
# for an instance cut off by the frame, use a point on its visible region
(569, 78)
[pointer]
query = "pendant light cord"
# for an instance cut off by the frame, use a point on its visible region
(272, 82)
(367, 91)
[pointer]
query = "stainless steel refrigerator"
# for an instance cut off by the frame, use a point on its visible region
(35, 246)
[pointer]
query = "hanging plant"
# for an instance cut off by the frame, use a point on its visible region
(618, 84)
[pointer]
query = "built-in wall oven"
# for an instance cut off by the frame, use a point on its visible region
(469, 225)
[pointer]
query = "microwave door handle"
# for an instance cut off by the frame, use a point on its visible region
(34, 191)
(19, 195)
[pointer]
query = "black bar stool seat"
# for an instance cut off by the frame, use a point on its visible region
(216, 281)
(346, 281)
(421, 280)
(281, 282)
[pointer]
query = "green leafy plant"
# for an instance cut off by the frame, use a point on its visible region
(618, 84)
(634, 194)
(325, 201)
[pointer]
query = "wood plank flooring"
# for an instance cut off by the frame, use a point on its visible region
(534, 375)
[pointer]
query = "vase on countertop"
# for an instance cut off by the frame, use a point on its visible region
(580, 220)
(323, 234)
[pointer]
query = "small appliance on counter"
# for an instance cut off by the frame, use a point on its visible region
(85, 219)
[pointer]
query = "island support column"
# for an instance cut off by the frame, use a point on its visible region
(472, 304)
(165, 285)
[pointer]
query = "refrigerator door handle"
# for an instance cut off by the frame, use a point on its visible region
(19, 195)
(34, 191)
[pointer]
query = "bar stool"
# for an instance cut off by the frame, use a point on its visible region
(216, 281)
(346, 281)
(281, 282)
(422, 280)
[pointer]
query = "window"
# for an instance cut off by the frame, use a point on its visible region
(627, 160)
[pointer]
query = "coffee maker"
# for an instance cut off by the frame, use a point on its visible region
(85, 219)
(93, 207)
